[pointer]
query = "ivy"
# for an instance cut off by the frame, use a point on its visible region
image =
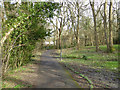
(28, 23)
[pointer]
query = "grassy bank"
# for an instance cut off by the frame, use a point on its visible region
(14, 78)
(88, 56)
(24, 76)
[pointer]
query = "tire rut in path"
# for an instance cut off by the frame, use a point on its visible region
(52, 75)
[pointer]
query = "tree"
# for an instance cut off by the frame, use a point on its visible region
(119, 24)
(25, 25)
(78, 21)
(76, 10)
(110, 28)
(105, 24)
(60, 32)
(95, 24)
(61, 19)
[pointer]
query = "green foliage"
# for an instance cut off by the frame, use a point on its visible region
(28, 22)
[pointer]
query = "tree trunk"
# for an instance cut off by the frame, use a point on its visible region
(78, 19)
(110, 28)
(60, 31)
(95, 29)
(1, 71)
(85, 40)
(95, 33)
(91, 41)
(103, 40)
(105, 24)
(57, 43)
(119, 27)
(59, 40)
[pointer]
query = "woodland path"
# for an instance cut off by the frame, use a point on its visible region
(52, 75)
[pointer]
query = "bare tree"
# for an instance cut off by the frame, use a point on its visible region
(110, 27)
(95, 24)
(105, 24)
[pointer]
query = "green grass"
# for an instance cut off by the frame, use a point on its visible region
(22, 85)
(102, 47)
(14, 78)
(95, 59)
(111, 65)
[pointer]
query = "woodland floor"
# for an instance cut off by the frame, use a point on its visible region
(101, 78)
(45, 71)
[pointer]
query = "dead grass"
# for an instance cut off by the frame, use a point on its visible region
(22, 77)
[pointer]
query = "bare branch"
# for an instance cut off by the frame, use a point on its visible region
(98, 9)
(101, 14)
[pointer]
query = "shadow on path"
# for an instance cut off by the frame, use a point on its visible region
(52, 75)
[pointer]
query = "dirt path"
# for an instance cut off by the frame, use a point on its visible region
(52, 75)
(44, 71)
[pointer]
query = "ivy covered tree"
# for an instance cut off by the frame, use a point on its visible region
(23, 27)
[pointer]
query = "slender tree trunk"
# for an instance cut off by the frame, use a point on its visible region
(60, 31)
(74, 32)
(103, 39)
(78, 20)
(96, 37)
(73, 27)
(85, 40)
(95, 27)
(1, 71)
(59, 41)
(119, 26)
(71, 35)
(91, 41)
(54, 41)
(105, 24)
(110, 28)
(7, 63)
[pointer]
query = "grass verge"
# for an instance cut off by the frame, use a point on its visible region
(88, 56)
(22, 77)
